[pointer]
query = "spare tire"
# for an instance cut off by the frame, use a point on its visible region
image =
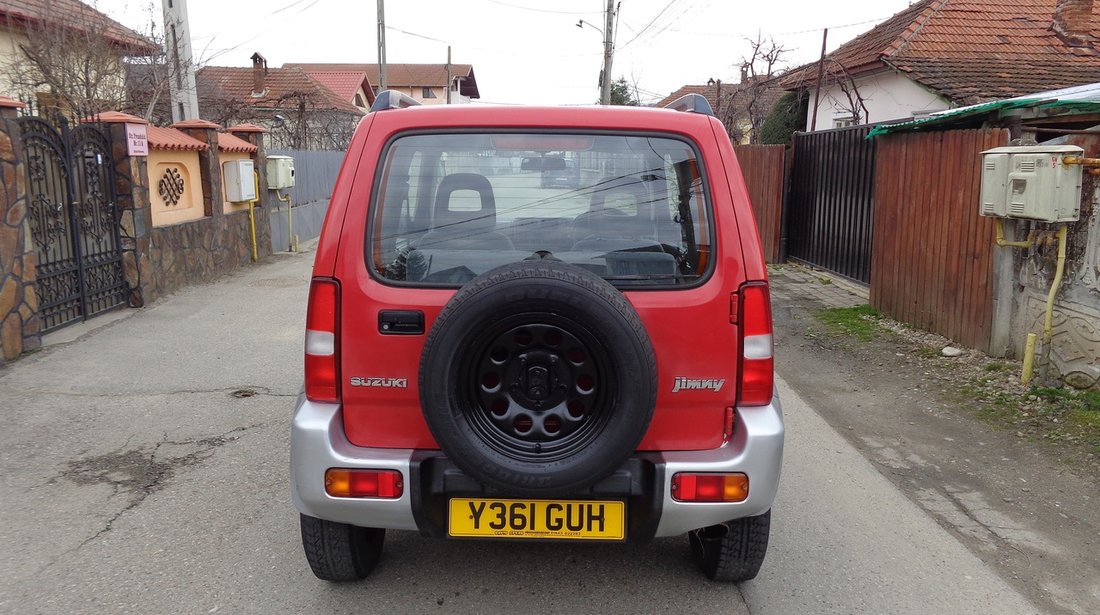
(538, 378)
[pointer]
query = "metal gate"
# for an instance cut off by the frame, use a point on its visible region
(830, 212)
(73, 222)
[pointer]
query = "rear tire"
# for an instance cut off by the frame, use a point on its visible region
(732, 552)
(338, 551)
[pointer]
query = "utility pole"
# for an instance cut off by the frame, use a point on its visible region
(181, 71)
(608, 52)
(820, 79)
(381, 45)
(449, 78)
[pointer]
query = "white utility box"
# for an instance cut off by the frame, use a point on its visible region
(240, 185)
(280, 172)
(1031, 183)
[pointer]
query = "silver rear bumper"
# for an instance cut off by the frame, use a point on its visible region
(317, 442)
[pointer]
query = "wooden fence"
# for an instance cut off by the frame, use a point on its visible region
(763, 167)
(932, 264)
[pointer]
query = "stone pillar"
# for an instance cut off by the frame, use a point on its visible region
(209, 162)
(135, 218)
(255, 135)
(19, 324)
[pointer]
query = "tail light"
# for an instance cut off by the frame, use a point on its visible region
(710, 487)
(757, 367)
(349, 483)
(322, 342)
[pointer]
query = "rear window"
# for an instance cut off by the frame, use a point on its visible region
(631, 209)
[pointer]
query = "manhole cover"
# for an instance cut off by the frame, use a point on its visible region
(242, 393)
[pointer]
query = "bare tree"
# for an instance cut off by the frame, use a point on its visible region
(853, 102)
(75, 57)
(757, 93)
(297, 119)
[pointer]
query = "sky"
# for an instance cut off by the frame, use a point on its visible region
(522, 51)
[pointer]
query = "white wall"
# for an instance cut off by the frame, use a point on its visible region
(9, 53)
(887, 95)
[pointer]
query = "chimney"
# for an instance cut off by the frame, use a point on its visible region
(259, 73)
(744, 73)
(1073, 21)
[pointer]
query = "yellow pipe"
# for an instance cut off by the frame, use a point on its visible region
(1012, 244)
(1048, 324)
(289, 219)
(1029, 359)
(252, 215)
(1081, 160)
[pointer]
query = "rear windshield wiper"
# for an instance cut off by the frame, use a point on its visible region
(661, 276)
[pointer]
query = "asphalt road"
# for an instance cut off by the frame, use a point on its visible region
(136, 478)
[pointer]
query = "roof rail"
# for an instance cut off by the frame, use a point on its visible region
(691, 103)
(392, 99)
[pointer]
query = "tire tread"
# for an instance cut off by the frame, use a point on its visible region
(738, 555)
(340, 552)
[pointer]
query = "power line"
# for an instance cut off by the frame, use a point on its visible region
(289, 6)
(263, 31)
(651, 22)
(520, 53)
(848, 25)
(427, 38)
(530, 8)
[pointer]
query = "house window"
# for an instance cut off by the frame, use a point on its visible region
(844, 122)
(359, 102)
(427, 93)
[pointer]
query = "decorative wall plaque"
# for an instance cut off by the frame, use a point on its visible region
(171, 187)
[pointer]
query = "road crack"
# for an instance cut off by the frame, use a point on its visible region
(139, 473)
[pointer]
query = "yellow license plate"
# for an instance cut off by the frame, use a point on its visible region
(545, 519)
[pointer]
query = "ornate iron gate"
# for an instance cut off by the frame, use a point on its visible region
(73, 221)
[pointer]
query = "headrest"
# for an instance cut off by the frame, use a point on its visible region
(450, 211)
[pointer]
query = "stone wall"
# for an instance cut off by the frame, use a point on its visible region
(160, 260)
(19, 325)
(1075, 345)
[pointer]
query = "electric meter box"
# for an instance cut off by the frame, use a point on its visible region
(1032, 183)
(240, 185)
(280, 172)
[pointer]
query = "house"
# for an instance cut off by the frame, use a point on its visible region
(81, 47)
(940, 54)
(298, 111)
(742, 107)
(427, 83)
(351, 86)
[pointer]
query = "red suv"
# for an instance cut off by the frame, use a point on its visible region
(494, 353)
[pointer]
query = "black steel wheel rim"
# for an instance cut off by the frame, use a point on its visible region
(539, 388)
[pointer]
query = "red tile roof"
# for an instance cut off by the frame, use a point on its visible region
(11, 103)
(232, 84)
(246, 127)
(72, 13)
(406, 75)
(346, 84)
(117, 117)
(230, 143)
(710, 92)
(196, 123)
(968, 51)
(172, 139)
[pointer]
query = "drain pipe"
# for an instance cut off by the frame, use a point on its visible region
(1048, 324)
